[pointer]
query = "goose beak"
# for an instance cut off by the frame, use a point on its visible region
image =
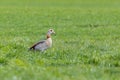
(53, 32)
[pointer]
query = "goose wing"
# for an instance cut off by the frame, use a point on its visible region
(33, 47)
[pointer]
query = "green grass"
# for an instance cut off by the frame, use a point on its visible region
(86, 45)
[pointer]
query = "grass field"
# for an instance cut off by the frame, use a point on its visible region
(86, 45)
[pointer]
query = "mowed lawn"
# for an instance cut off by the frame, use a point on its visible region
(86, 45)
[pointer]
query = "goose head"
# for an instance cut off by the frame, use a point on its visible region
(51, 31)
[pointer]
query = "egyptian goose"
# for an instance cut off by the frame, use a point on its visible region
(43, 45)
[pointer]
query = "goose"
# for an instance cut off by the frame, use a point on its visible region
(44, 44)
